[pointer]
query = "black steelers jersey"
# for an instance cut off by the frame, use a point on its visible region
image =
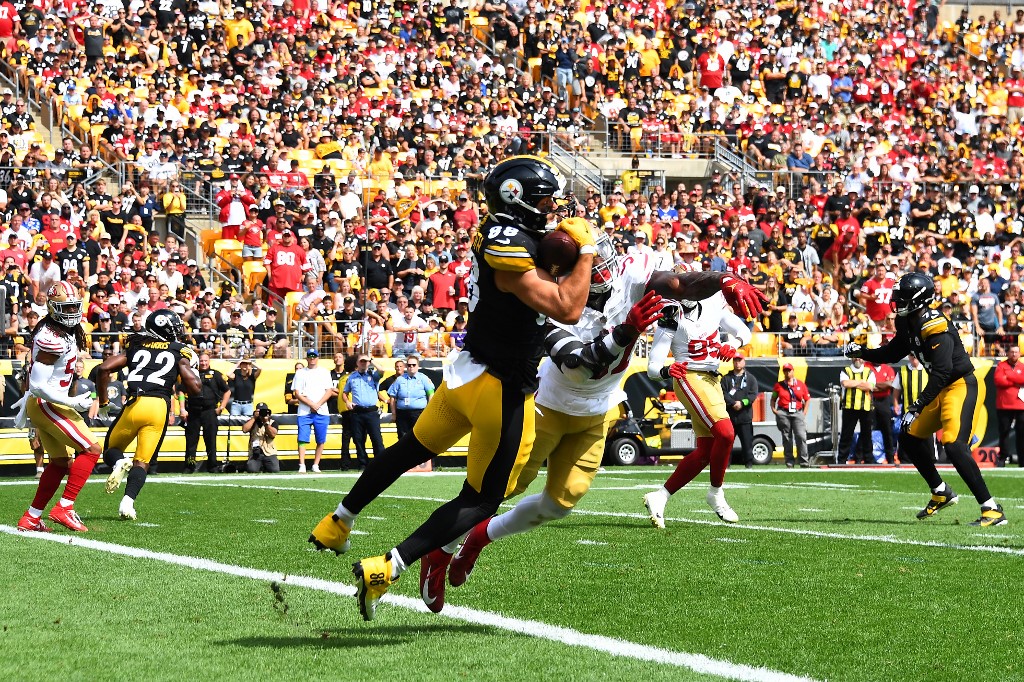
(503, 332)
(152, 367)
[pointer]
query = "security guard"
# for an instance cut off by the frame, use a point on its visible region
(948, 401)
(201, 411)
(858, 382)
(409, 395)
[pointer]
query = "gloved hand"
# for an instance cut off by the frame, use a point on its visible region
(910, 415)
(745, 299)
(853, 350)
(82, 403)
(580, 231)
(726, 352)
(642, 315)
(677, 370)
(191, 356)
(104, 411)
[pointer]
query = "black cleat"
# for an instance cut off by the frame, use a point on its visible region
(939, 501)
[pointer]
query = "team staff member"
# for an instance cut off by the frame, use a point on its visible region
(313, 388)
(149, 389)
(881, 402)
(362, 394)
(200, 411)
(488, 390)
(1009, 380)
(948, 401)
(408, 395)
(790, 398)
(858, 381)
(906, 388)
(344, 365)
(740, 389)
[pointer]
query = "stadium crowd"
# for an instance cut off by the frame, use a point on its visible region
(343, 143)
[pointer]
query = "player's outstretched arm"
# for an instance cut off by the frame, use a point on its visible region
(561, 301)
(746, 300)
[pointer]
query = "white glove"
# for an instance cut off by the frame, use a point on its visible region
(82, 403)
(908, 419)
(104, 411)
(853, 350)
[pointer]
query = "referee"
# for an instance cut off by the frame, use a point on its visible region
(408, 395)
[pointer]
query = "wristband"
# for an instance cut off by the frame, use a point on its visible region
(664, 373)
(93, 395)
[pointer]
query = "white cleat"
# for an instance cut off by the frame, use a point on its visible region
(120, 470)
(721, 507)
(127, 509)
(655, 504)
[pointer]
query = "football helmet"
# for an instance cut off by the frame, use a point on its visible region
(64, 305)
(165, 325)
(527, 191)
(606, 263)
(911, 293)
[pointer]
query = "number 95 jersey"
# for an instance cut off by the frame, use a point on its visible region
(694, 336)
(153, 366)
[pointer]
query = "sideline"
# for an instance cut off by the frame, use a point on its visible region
(607, 645)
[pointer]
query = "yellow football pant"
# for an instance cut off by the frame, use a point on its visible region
(953, 411)
(144, 418)
(61, 430)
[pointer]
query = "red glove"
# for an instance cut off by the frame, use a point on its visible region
(642, 315)
(746, 300)
(677, 370)
(726, 352)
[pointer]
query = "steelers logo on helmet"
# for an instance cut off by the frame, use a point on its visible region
(511, 190)
(525, 191)
(165, 325)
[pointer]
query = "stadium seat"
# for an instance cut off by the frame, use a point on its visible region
(764, 345)
(208, 238)
(253, 273)
(291, 305)
(229, 250)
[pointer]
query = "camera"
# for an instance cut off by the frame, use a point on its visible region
(257, 451)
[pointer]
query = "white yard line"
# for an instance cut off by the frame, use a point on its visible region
(608, 645)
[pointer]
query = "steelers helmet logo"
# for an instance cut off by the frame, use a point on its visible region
(511, 191)
(161, 321)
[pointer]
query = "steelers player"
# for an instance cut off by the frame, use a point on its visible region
(487, 389)
(948, 401)
(156, 357)
(578, 387)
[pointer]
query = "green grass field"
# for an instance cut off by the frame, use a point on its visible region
(827, 576)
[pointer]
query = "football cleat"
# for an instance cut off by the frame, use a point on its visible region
(465, 559)
(373, 578)
(721, 507)
(433, 569)
(67, 517)
(126, 510)
(27, 522)
(991, 517)
(121, 469)
(939, 501)
(331, 533)
(655, 504)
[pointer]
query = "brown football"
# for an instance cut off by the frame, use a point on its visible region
(557, 253)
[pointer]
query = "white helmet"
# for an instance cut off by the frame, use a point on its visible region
(64, 304)
(606, 263)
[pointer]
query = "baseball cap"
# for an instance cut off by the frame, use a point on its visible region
(113, 300)
(787, 366)
(464, 299)
(104, 316)
(312, 353)
(262, 406)
(190, 262)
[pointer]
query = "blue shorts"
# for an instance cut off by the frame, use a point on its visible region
(318, 422)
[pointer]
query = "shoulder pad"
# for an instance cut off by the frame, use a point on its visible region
(933, 323)
(509, 248)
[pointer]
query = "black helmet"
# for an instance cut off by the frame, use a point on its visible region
(525, 190)
(911, 293)
(165, 325)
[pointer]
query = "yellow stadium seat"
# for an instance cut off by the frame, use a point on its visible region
(481, 26)
(291, 304)
(764, 345)
(805, 317)
(313, 166)
(253, 273)
(208, 238)
(533, 63)
(230, 250)
(302, 154)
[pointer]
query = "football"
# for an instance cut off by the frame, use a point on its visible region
(557, 253)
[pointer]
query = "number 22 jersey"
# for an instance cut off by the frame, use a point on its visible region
(153, 367)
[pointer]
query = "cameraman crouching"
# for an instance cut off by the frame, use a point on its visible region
(262, 453)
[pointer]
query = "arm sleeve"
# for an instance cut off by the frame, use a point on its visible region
(660, 347)
(736, 327)
(579, 360)
(894, 351)
(39, 385)
(941, 369)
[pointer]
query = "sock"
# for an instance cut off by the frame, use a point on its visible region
(663, 493)
(398, 566)
(80, 471)
(919, 452)
(960, 456)
(112, 456)
(53, 474)
(940, 489)
(345, 516)
(35, 513)
(721, 450)
(715, 490)
(529, 513)
(690, 466)
(136, 479)
(39, 470)
(990, 503)
(450, 519)
(453, 546)
(382, 471)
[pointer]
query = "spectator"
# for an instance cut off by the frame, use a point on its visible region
(741, 390)
(312, 387)
(269, 338)
(175, 204)
(789, 403)
(242, 385)
(286, 263)
(858, 381)
(793, 338)
(986, 313)
(1009, 380)
(362, 398)
(444, 287)
(262, 430)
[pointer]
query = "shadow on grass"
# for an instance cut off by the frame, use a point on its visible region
(356, 637)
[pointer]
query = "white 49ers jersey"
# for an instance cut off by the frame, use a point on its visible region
(597, 395)
(66, 350)
(696, 337)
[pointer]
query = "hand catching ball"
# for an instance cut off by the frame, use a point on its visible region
(557, 253)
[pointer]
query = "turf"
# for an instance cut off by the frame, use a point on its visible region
(828, 575)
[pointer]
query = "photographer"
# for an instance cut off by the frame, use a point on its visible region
(262, 430)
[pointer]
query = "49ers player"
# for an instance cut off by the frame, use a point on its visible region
(54, 413)
(692, 334)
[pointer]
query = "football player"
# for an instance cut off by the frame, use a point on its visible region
(949, 400)
(487, 389)
(578, 388)
(156, 357)
(54, 414)
(692, 334)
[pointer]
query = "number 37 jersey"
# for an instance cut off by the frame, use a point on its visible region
(153, 367)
